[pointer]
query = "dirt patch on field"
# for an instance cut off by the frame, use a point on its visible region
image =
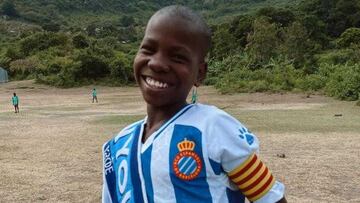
(51, 151)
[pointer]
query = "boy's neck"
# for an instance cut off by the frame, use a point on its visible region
(158, 116)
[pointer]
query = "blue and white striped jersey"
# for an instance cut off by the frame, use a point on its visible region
(202, 154)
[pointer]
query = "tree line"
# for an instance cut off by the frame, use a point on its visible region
(314, 46)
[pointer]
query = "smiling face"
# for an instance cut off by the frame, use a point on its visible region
(169, 62)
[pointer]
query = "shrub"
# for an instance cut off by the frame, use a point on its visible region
(120, 70)
(65, 78)
(349, 36)
(313, 82)
(234, 74)
(23, 67)
(80, 41)
(91, 66)
(42, 41)
(8, 8)
(344, 82)
(340, 56)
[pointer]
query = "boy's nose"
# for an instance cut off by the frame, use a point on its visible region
(158, 63)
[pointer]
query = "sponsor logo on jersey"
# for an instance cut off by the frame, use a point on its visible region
(187, 163)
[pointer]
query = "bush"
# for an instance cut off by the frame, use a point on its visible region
(91, 66)
(42, 41)
(283, 76)
(278, 75)
(65, 78)
(340, 56)
(23, 67)
(344, 82)
(120, 70)
(313, 82)
(349, 36)
(218, 67)
(8, 8)
(80, 41)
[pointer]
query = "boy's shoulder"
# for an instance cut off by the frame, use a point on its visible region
(126, 130)
(207, 109)
(204, 116)
(210, 112)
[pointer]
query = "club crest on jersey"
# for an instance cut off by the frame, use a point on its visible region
(187, 163)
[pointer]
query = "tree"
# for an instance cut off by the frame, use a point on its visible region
(51, 26)
(91, 65)
(316, 29)
(296, 45)
(350, 36)
(222, 43)
(80, 41)
(342, 16)
(41, 41)
(126, 21)
(262, 42)
(24, 67)
(120, 69)
(279, 16)
(8, 8)
(240, 27)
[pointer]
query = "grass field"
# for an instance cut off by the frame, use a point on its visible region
(51, 150)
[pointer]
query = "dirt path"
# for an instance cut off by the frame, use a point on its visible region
(51, 151)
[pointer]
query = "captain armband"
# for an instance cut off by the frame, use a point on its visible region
(253, 178)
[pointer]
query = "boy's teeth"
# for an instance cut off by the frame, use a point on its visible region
(155, 83)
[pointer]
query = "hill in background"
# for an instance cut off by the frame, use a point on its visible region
(258, 45)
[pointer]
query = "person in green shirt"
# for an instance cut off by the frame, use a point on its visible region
(15, 102)
(194, 96)
(94, 94)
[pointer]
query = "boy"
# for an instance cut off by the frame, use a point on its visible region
(194, 95)
(182, 152)
(94, 96)
(15, 102)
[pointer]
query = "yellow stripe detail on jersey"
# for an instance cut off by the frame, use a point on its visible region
(243, 165)
(254, 178)
(258, 186)
(247, 172)
(263, 192)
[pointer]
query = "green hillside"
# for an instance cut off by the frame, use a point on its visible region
(258, 45)
(70, 14)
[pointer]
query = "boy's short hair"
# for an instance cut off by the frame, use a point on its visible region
(191, 16)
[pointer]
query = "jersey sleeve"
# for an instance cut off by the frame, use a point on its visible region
(235, 148)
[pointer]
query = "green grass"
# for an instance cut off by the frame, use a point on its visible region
(58, 108)
(318, 120)
(118, 119)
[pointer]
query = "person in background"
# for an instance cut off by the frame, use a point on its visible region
(194, 95)
(15, 102)
(94, 96)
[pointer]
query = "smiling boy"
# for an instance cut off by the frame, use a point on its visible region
(182, 152)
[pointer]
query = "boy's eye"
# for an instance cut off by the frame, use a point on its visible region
(147, 50)
(178, 58)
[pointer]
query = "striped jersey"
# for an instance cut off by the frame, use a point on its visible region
(201, 154)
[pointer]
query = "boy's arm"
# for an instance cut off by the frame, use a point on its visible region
(256, 182)
(283, 200)
(236, 150)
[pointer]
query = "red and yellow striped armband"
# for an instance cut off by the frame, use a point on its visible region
(253, 178)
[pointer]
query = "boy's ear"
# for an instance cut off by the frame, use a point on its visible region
(201, 74)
